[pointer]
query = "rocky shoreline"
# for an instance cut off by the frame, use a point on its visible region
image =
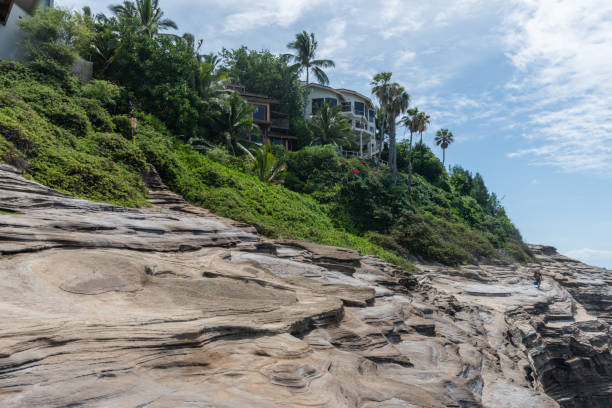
(172, 306)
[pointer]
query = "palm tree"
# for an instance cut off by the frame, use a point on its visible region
(330, 126)
(103, 47)
(209, 82)
(305, 47)
(423, 124)
(394, 100)
(410, 122)
(146, 14)
(235, 119)
(266, 166)
(444, 138)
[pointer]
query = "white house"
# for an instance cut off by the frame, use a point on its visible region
(358, 108)
(11, 11)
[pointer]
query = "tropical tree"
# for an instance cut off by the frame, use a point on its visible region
(210, 82)
(146, 14)
(394, 100)
(235, 119)
(305, 47)
(266, 166)
(103, 48)
(444, 138)
(330, 126)
(423, 121)
(410, 122)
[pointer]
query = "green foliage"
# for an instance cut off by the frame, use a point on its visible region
(106, 93)
(53, 38)
(436, 239)
(267, 74)
(234, 121)
(429, 220)
(158, 72)
(330, 126)
(61, 150)
(266, 166)
(424, 162)
(99, 117)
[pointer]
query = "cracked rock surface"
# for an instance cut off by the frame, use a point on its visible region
(172, 306)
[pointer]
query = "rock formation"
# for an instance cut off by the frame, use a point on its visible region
(171, 306)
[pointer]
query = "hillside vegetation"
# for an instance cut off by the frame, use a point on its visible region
(77, 138)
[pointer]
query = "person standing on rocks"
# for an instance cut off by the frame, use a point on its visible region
(537, 276)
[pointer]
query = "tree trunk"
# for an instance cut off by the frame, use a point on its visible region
(306, 93)
(392, 153)
(410, 164)
(443, 156)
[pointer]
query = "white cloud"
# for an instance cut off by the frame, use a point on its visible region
(597, 257)
(561, 50)
(403, 57)
(334, 40)
(262, 13)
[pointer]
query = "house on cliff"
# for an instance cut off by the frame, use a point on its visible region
(11, 11)
(358, 108)
(273, 124)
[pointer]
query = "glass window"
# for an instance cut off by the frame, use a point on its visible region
(260, 112)
(359, 108)
(371, 115)
(277, 141)
(346, 106)
(331, 102)
(316, 105)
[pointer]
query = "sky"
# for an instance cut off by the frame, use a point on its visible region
(524, 85)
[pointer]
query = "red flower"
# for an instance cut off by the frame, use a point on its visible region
(355, 171)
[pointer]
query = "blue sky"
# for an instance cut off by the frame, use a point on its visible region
(524, 85)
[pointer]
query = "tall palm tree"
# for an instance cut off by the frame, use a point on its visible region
(147, 15)
(423, 121)
(422, 126)
(394, 100)
(444, 138)
(235, 119)
(305, 47)
(411, 122)
(330, 126)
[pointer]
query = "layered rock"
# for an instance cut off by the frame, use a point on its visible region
(171, 306)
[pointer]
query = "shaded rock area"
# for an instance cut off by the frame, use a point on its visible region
(171, 306)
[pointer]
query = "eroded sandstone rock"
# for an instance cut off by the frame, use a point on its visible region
(172, 306)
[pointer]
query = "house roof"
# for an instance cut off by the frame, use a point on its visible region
(253, 97)
(348, 91)
(341, 92)
(327, 88)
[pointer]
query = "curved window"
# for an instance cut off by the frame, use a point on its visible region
(359, 108)
(371, 115)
